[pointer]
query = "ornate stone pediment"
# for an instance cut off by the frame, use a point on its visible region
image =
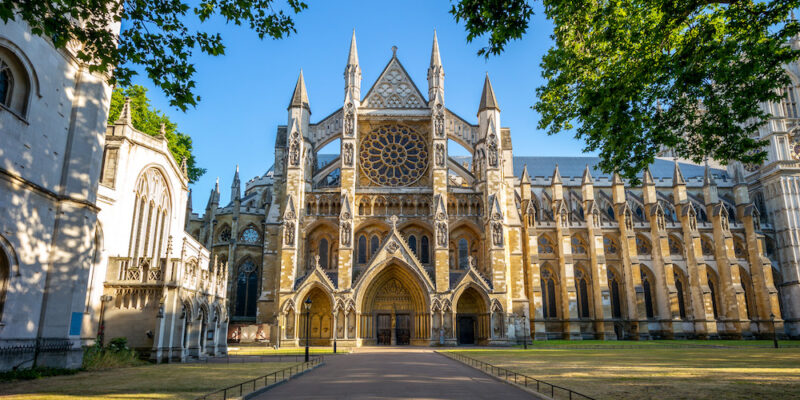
(394, 89)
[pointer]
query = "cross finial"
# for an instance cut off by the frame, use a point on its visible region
(394, 51)
(316, 260)
(393, 219)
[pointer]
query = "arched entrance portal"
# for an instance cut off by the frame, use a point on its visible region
(320, 319)
(472, 318)
(395, 310)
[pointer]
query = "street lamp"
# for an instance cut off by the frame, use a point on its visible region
(774, 334)
(308, 313)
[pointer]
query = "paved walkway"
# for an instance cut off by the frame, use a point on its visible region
(392, 373)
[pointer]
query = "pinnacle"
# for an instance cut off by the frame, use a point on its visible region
(677, 175)
(352, 57)
(587, 176)
(525, 177)
(488, 99)
(300, 97)
(708, 178)
(436, 59)
(556, 176)
(125, 114)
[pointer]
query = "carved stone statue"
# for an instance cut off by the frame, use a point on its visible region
(492, 151)
(497, 233)
(288, 228)
(346, 233)
(294, 153)
(441, 234)
(440, 155)
(349, 120)
(347, 157)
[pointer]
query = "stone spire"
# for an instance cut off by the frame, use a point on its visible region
(708, 177)
(710, 193)
(300, 97)
(488, 99)
(525, 178)
(235, 186)
(435, 74)
(125, 114)
(213, 198)
(677, 176)
(188, 210)
(648, 187)
(556, 176)
(556, 185)
(352, 72)
(525, 184)
(587, 176)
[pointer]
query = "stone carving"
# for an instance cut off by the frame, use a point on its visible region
(346, 233)
(439, 155)
(394, 89)
(347, 157)
(497, 233)
(438, 123)
(492, 151)
(441, 234)
(392, 247)
(393, 155)
(628, 219)
(349, 120)
(294, 153)
(288, 234)
(660, 221)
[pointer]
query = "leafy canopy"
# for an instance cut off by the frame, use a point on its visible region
(632, 77)
(155, 34)
(149, 120)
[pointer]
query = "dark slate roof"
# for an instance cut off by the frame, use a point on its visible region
(574, 167)
(325, 159)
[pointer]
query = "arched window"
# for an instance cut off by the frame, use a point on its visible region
(610, 245)
(362, 249)
(150, 218)
(463, 254)
(610, 212)
(249, 236)
(374, 244)
(545, 245)
(5, 275)
(679, 288)
(6, 83)
(747, 286)
(14, 83)
(674, 246)
(643, 247)
(578, 245)
(412, 243)
(789, 103)
(548, 294)
(425, 248)
(225, 234)
(613, 284)
(323, 253)
(582, 286)
(246, 290)
(648, 295)
(712, 289)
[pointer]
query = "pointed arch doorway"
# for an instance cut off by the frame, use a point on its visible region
(394, 310)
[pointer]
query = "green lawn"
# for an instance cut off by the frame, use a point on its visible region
(164, 381)
(660, 343)
(652, 373)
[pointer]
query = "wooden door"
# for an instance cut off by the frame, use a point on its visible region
(384, 325)
(466, 330)
(403, 329)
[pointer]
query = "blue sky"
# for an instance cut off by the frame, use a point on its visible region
(244, 94)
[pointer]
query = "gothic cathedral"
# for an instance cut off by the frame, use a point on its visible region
(393, 241)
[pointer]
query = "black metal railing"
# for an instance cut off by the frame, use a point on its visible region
(241, 389)
(243, 358)
(41, 345)
(545, 388)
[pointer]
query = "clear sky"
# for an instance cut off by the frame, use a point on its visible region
(244, 94)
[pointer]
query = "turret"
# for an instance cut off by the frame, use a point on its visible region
(352, 73)
(556, 185)
(235, 186)
(213, 198)
(299, 115)
(678, 185)
(435, 74)
(489, 128)
(587, 185)
(648, 187)
(710, 193)
(525, 184)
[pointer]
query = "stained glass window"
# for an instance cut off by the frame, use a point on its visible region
(393, 155)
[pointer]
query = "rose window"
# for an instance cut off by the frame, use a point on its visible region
(249, 236)
(393, 155)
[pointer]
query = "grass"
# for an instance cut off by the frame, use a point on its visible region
(659, 343)
(657, 373)
(262, 350)
(164, 381)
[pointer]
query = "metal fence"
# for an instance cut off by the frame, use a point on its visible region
(42, 345)
(239, 359)
(241, 389)
(548, 389)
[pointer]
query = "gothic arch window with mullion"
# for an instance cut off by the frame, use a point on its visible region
(6, 83)
(246, 290)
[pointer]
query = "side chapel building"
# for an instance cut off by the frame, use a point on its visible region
(396, 242)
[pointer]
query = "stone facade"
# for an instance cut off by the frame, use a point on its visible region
(52, 118)
(154, 284)
(395, 241)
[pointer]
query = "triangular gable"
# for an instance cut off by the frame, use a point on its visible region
(473, 276)
(394, 89)
(315, 275)
(394, 247)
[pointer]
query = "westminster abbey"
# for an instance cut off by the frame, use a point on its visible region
(394, 241)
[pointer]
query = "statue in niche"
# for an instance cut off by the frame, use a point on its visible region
(288, 228)
(628, 220)
(438, 124)
(492, 151)
(441, 234)
(497, 233)
(348, 154)
(345, 225)
(294, 153)
(440, 155)
(349, 119)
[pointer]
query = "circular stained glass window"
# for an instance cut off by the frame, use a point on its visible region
(250, 235)
(393, 155)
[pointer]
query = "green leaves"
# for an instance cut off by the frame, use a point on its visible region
(634, 77)
(149, 120)
(156, 36)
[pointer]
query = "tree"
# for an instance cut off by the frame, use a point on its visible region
(634, 77)
(154, 36)
(149, 120)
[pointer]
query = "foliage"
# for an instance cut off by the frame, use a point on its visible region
(116, 355)
(34, 373)
(504, 20)
(148, 120)
(634, 77)
(156, 35)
